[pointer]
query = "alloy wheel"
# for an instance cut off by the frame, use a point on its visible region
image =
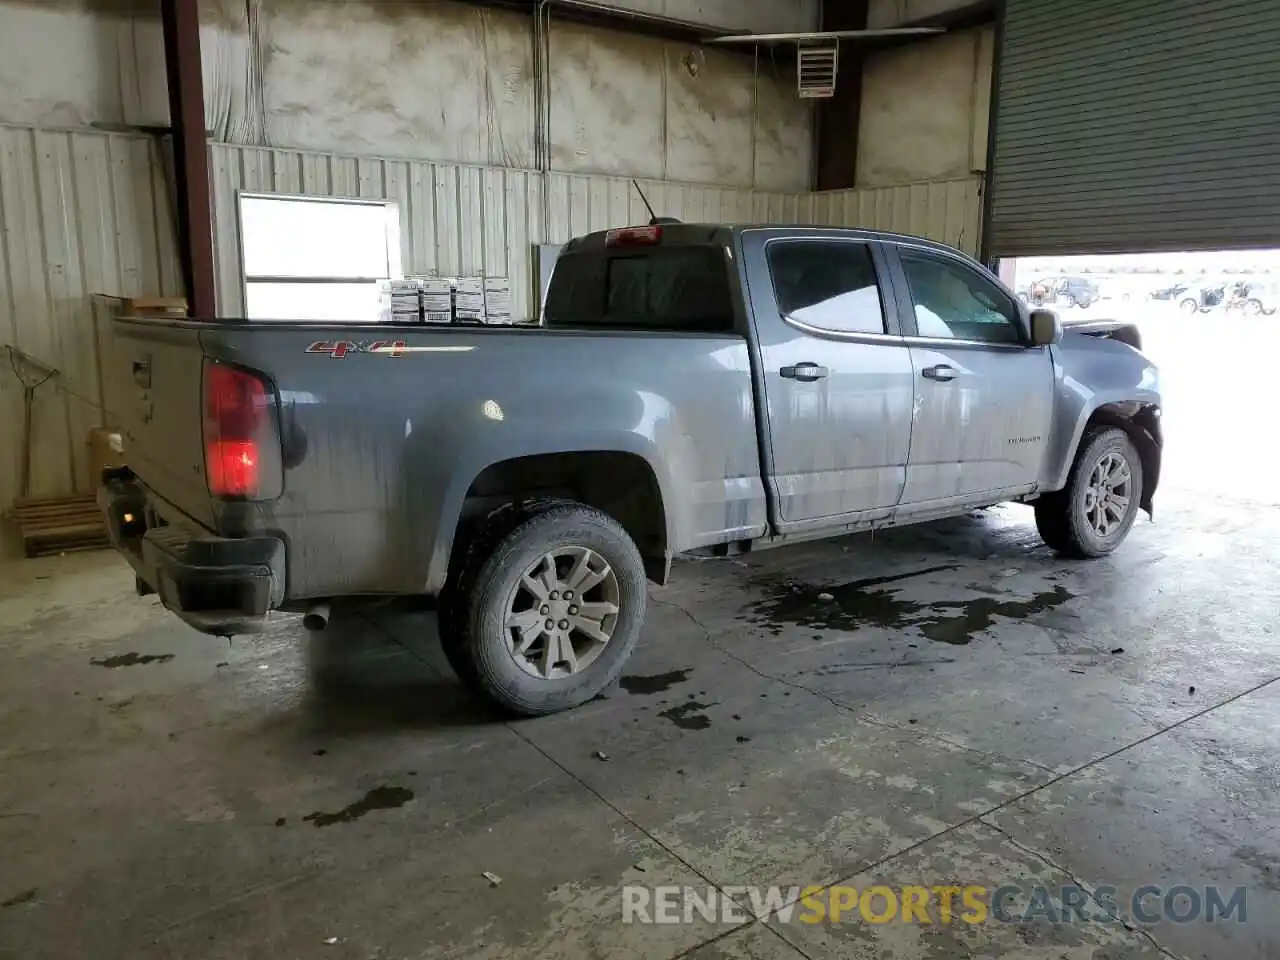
(1108, 496)
(562, 613)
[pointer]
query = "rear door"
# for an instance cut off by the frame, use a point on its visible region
(984, 396)
(157, 369)
(836, 375)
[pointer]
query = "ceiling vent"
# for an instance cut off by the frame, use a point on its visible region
(816, 71)
(818, 53)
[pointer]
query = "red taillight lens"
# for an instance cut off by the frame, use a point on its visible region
(633, 237)
(236, 415)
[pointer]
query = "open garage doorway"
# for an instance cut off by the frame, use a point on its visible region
(1211, 322)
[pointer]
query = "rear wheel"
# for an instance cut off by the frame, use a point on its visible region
(1253, 308)
(476, 550)
(1094, 513)
(1189, 306)
(549, 616)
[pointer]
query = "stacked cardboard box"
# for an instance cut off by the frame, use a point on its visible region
(497, 300)
(402, 300)
(468, 299)
(437, 300)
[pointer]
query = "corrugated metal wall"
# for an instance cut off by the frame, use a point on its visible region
(80, 214)
(949, 211)
(467, 220)
(85, 213)
(484, 221)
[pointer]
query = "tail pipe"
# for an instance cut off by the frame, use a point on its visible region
(317, 618)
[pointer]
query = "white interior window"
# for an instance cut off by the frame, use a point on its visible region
(308, 258)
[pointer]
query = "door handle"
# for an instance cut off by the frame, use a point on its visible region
(142, 373)
(804, 372)
(941, 372)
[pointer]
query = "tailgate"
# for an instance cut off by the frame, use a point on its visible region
(159, 363)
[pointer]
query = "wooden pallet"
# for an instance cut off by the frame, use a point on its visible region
(51, 525)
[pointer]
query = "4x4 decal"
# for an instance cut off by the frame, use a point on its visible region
(337, 349)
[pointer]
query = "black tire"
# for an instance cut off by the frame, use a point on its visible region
(1061, 516)
(478, 647)
(465, 567)
(1189, 306)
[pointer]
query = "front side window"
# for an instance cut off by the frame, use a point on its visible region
(828, 284)
(953, 302)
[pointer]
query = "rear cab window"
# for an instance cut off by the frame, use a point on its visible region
(669, 287)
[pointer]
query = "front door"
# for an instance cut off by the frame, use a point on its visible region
(837, 378)
(984, 396)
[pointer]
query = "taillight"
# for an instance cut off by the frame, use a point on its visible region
(238, 432)
(633, 237)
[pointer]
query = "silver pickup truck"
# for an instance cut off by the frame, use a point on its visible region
(701, 388)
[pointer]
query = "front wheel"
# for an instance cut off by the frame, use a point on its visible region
(1189, 306)
(551, 615)
(1094, 513)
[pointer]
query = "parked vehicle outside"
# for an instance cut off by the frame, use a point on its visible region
(1252, 297)
(1063, 291)
(1203, 297)
(1171, 292)
(1121, 289)
(695, 389)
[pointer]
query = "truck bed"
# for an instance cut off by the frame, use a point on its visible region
(385, 431)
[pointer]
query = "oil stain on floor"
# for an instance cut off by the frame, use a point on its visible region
(688, 716)
(132, 660)
(871, 602)
(379, 798)
(658, 683)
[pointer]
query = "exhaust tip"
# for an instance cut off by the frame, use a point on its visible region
(317, 618)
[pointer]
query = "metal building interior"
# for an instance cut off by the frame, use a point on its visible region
(1088, 750)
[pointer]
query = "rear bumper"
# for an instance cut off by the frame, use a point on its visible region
(216, 584)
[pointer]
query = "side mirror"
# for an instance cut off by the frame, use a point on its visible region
(1046, 328)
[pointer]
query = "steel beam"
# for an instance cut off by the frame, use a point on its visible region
(181, 22)
(836, 121)
(980, 14)
(595, 14)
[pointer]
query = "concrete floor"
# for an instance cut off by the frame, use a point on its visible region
(970, 710)
(167, 794)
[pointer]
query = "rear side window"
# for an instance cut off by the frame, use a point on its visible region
(666, 288)
(828, 284)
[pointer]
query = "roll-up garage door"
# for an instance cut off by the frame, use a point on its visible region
(1142, 125)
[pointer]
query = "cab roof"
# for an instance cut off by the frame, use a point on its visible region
(701, 233)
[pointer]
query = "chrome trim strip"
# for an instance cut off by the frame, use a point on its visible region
(945, 342)
(845, 335)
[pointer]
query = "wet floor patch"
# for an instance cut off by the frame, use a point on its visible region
(873, 602)
(379, 798)
(978, 615)
(132, 660)
(845, 606)
(688, 716)
(658, 683)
